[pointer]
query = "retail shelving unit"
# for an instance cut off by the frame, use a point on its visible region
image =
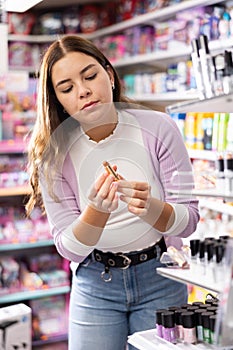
(158, 59)
(31, 247)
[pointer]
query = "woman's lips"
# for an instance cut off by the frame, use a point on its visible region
(89, 105)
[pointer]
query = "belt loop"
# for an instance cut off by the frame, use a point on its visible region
(158, 251)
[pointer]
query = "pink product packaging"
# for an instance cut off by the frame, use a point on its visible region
(20, 54)
(49, 317)
(115, 47)
(9, 272)
(162, 36)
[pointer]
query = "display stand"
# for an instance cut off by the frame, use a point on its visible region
(220, 281)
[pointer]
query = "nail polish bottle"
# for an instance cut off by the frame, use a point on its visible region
(185, 306)
(189, 327)
(228, 73)
(212, 319)
(219, 250)
(219, 65)
(213, 309)
(220, 178)
(228, 171)
(159, 325)
(197, 303)
(203, 307)
(199, 327)
(179, 325)
(168, 321)
(192, 307)
(173, 308)
(194, 247)
(206, 325)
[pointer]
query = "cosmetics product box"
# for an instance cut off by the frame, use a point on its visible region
(15, 327)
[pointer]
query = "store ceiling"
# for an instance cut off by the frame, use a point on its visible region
(45, 4)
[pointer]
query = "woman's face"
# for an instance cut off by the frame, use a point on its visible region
(82, 86)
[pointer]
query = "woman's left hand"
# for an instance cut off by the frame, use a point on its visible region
(137, 195)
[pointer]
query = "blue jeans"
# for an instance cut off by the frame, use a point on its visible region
(103, 314)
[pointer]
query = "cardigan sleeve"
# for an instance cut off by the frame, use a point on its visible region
(173, 168)
(63, 214)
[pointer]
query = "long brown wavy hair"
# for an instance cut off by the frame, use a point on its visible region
(50, 113)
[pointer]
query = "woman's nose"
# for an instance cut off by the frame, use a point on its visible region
(83, 91)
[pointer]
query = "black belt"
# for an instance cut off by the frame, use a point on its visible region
(124, 260)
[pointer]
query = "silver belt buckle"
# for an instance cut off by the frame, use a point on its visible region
(126, 261)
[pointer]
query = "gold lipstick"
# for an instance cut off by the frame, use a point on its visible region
(110, 170)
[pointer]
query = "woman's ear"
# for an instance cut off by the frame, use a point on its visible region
(111, 75)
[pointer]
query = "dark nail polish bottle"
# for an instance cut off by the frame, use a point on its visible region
(206, 326)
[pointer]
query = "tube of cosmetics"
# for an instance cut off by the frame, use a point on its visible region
(197, 68)
(220, 178)
(228, 73)
(207, 66)
(228, 171)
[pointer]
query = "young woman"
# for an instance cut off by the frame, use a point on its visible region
(112, 229)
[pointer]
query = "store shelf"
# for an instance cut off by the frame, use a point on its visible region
(209, 277)
(217, 206)
(33, 294)
(202, 154)
(158, 15)
(223, 103)
(148, 340)
(15, 191)
(12, 146)
(52, 339)
(165, 98)
(28, 245)
(209, 192)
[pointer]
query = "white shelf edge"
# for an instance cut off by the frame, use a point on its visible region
(148, 340)
(219, 207)
(209, 192)
(218, 104)
(165, 97)
(194, 276)
(202, 154)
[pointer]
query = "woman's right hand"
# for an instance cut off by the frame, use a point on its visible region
(103, 195)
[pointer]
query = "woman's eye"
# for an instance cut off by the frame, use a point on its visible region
(91, 77)
(66, 91)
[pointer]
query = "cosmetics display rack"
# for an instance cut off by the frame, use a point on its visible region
(149, 340)
(209, 276)
(215, 278)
